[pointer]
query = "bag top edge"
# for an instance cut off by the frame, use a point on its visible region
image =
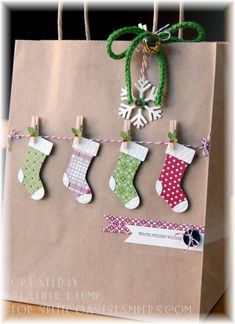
(119, 41)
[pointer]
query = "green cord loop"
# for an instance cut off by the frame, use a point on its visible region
(166, 36)
(186, 25)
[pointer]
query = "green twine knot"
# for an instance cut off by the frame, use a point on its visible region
(165, 36)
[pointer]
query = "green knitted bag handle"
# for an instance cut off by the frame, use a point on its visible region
(140, 36)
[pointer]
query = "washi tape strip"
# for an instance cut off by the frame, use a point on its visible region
(118, 224)
(157, 232)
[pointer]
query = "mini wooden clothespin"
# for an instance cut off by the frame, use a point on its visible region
(126, 133)
(173, 133)
(35, 127)
(78, 130)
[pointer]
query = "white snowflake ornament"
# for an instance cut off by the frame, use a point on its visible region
(144, 102)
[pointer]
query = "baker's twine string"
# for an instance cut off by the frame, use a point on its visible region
(144, 66)
(140, 48)
(165, 36)
(205, 144)
(145, 58)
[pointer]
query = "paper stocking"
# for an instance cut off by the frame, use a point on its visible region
(121, 181)
(29, 174)
(75, 176)
(169, 184)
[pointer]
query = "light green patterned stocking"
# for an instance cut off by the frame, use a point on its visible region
(121, 181)
(29, 173)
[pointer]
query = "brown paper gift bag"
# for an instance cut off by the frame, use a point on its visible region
(57, 252)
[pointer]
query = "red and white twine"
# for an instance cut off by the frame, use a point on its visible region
(205, 144)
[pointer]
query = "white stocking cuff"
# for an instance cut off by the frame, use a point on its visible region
(135, 150)
(41, 144)
(181, 152)
(87, 145)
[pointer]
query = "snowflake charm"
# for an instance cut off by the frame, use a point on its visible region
(142, 102)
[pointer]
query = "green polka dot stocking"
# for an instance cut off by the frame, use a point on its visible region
(121, 181)
(29, 174)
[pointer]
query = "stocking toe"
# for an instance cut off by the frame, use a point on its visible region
(133, 203)
(37, 195)
(84, 199)
(181, 207)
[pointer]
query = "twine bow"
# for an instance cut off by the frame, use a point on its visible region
(152, 44)
(192, 242)
(12, 135)
(206, 145)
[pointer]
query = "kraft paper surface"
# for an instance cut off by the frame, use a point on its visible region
(59, 238)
